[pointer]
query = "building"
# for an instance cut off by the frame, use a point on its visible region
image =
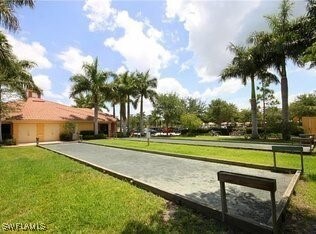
(39, 118)
(309, 125)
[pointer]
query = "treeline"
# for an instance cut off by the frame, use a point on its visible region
(170, 110)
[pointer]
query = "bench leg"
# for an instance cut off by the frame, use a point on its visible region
(274, 221)
(302, 162)
(223, 200)
(274, 160)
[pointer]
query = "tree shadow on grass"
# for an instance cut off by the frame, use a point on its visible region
(176, 219)
(308, 177)
(244, 204)
(299, 218)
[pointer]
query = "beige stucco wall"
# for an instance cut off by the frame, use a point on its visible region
(85, 126)
(28, 131)
(309, 125)
(51, 132)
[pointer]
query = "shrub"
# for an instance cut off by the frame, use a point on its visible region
(87, 132)
(93, 137)
(69, 128)
(295, 129)
(65, 136)
(9, 141)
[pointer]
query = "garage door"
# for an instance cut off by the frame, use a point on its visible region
(26, 133)
(51, 132)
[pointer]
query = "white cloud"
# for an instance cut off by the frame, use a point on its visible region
(45, 83)
(212, 25)
(33, 51)
(204, 74)
(121, 70)
(73, 59)
(171, 85)
(141, 43)
(228, 87)
(99, 13)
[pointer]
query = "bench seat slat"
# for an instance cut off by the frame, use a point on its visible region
(247, 180)
(290, 149)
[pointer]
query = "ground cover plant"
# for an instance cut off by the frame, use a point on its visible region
(39, 186)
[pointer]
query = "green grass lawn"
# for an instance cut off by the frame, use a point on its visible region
(229, 139)
(39, 186)
(303, 205)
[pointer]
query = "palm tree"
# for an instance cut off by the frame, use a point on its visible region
(146, 86)
(7, 10)
(85, 101)
(15, 78)
(278, 46)
(6, 54)
(113, 95)
(92, 82)
(244, 67)
(130, 87)
(125, 85)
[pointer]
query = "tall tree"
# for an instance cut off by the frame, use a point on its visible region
(190, 121)
(305, 26)
(266, 95)
(125, 86)
(85, 101)
(220, 111)
(195, 106)
(92, 82)
(170, 107)
(7, 9)
(6, 54)
(244, 66)
(15, 79)
(283, 42)
(155, 119)
(244, 116)
(146, 86)
(304, 105)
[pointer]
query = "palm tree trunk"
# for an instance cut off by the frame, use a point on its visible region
(113, 107)
(253, 101)
(96, 115)
(123, 118)
(1, 140)
(0, 115)
(264, 109)
(285, 104)
(128, 113)
(264, 116)
(141, 114)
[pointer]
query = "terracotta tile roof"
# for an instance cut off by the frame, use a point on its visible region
(40, 109)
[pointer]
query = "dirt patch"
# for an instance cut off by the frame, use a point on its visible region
(169, 212)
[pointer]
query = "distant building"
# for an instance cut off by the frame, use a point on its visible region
(37, 117)
(309, 125)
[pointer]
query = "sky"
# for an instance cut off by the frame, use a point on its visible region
(183, 43)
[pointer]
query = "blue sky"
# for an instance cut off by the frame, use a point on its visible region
(183, 43)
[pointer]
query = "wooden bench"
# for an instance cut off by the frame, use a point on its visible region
(307, 140)
(248, 181)
(287, 149)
